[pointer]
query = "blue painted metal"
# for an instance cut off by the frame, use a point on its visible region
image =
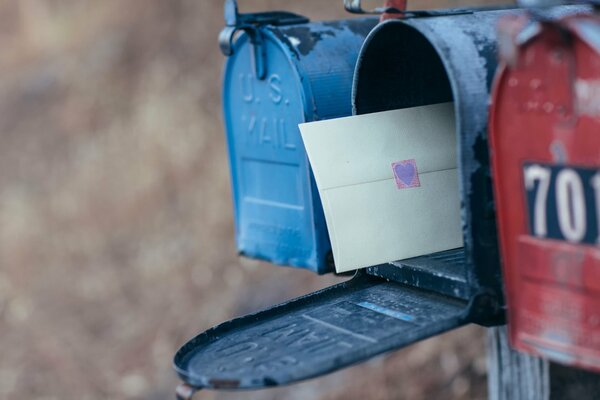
(306, 76)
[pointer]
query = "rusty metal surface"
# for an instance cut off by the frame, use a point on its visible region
(545, 121)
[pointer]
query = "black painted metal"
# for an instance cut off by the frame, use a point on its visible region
(440, 272)
(416, 62)
(316, 334)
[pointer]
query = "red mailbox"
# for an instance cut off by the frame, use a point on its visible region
(545, 145)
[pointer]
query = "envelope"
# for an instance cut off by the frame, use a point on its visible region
(388, 182)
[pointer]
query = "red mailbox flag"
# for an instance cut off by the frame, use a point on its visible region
(545, 139)
(397, 4)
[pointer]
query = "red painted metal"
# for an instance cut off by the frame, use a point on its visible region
(546, 111)
(397, 4)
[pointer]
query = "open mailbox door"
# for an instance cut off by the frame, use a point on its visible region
(316, 334)
(403, 63)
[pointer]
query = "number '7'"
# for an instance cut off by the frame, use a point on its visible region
(537, 173)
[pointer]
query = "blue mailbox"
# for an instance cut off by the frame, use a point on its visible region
(281, 71)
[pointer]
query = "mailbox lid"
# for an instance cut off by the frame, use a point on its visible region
(272, 194)
(316, 334)
(544, 126)
(309, 67)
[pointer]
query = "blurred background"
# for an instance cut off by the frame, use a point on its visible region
(116, 231)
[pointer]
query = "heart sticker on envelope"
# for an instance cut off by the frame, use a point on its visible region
(406, 174)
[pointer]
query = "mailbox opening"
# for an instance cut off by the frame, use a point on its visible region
(400, 68)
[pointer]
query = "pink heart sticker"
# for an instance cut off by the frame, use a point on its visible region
(406, 174)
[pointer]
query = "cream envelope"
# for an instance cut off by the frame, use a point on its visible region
(388, 182)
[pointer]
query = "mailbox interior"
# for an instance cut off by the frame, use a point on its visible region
(400, 68)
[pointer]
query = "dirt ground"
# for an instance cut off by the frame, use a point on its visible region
(116, 231)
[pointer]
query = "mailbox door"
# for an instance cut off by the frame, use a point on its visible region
(308, 76)
(272, 191)
(316, 334)
(545, 127)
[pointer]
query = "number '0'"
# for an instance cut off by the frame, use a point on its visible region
(570, 201)
(570, 204)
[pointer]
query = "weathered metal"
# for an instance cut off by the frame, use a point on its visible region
(305, 75)
(545, 125)
(422, 61)
(403, 63)
(315, 334)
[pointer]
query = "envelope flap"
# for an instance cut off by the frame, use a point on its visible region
(361, 149)
(316, 334)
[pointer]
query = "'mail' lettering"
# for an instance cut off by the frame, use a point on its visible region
(269, 132)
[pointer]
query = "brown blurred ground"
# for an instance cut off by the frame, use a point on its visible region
(116, 238)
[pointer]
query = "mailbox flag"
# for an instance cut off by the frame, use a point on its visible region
(388, 182)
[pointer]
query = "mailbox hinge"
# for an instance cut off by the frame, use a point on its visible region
(251, 23)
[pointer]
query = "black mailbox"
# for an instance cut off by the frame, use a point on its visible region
(446, 56)
(423, 61)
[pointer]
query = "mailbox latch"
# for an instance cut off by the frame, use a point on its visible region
(250, 23)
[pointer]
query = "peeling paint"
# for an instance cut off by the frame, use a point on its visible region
(587, 97)
(305, 38)
(294, 41)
